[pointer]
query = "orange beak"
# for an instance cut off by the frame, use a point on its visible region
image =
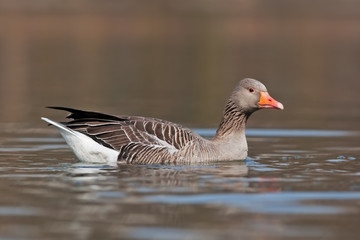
(266, 101)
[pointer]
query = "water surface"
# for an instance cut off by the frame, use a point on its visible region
(294, 185)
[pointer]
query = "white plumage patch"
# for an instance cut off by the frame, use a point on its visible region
(85, 148)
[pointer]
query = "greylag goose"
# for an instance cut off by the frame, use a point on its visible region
(98, 137)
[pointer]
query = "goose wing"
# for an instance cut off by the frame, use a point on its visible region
(129, 133)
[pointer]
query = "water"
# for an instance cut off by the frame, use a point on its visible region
(294, 185)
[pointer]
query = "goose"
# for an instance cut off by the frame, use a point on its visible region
(102, 138)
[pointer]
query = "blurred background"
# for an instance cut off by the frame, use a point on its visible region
(179, 60)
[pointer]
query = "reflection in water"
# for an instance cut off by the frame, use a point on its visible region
(270, 203)
(17, 211)
(302, 178)
(148, 177)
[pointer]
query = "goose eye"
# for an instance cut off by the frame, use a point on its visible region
(251, 90)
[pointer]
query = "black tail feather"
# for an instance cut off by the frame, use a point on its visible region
(81, 114)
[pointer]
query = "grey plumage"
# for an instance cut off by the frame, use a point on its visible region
(150, 140)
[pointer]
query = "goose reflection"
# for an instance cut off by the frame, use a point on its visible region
(147, 179)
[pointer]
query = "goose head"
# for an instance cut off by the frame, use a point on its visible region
(251, 95)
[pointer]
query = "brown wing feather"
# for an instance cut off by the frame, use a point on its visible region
(122, 130)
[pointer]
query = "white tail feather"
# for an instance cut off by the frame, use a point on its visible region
(85, 148)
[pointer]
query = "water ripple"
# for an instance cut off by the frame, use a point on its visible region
(270, 203)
